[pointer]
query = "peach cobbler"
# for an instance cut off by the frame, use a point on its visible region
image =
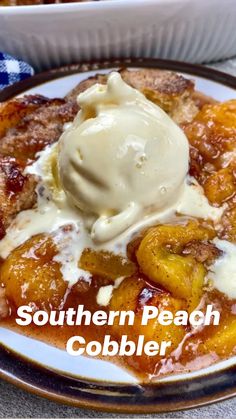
(120, 196)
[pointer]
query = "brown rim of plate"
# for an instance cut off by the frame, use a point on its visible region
(178, 66)
(123, 398)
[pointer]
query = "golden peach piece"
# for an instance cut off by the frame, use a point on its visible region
(222, 342)
(155, 331)
(220, 186)
(213, 130)
(32, 277)
(126, 296)
(197, 278)
(228, 231)
(106, 264)
(158, 260)
(132, 295)
(129, 296)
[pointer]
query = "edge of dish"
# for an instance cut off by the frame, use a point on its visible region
(122, 398)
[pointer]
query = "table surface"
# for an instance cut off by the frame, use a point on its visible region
(16, 403)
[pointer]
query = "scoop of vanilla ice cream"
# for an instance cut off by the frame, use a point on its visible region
(122, 158)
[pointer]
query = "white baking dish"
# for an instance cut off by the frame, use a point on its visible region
(52, 35)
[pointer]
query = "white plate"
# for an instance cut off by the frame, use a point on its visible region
(55, 358)
(82, 367)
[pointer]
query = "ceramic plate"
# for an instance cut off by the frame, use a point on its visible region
(93, 383)
(49, 36)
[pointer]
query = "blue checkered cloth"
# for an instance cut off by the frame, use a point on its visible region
(13, 70)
